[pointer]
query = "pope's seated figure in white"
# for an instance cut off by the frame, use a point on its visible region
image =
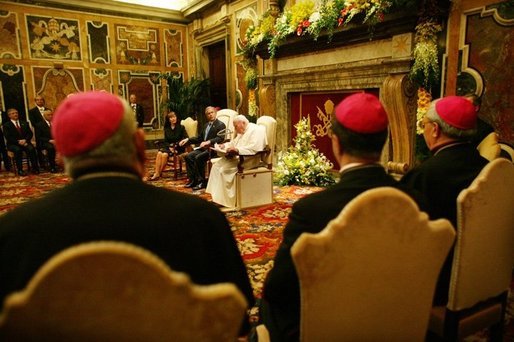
(250, 139)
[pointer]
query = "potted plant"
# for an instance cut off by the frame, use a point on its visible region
(187, 98)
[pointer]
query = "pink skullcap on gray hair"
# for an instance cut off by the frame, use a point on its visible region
(362, 113)
(85, 120)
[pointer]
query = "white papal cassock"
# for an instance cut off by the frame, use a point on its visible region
(221, 183)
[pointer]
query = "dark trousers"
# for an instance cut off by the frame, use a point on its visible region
(5, 158)
(18, 155)
(195, 164)
(50, 150)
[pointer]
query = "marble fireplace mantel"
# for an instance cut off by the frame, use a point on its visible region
(379, 64)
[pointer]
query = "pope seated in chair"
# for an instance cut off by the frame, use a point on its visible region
(249, 140)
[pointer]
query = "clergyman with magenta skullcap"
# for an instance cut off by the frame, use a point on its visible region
(104, 153)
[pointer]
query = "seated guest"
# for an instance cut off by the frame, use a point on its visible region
(196, 159)
(3, 152)
(173, 133)
(104, 154)
(44, 140)
(250, 139)
(448, 127)
(18, 136)
(359, 131)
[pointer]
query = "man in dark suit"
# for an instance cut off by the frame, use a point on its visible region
(359, 131)
(448, 127)
(35, 117)
(104, 154)
(36, 112)
(18, 136)
(138, 110)
(3, 152)
(196, 159)
(44, 139)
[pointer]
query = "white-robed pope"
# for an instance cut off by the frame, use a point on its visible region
(250, 139)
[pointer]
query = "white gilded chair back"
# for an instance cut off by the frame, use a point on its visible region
(227, 117)
(370, 274)
(191, 127)
(114, 291)
(484, 251)
(271, 135)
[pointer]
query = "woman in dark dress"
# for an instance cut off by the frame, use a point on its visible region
(173, 133)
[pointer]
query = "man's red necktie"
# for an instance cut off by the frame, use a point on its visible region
(18, 127)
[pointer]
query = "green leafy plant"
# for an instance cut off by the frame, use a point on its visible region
(303, 164)
(187, 98)
(425, 70)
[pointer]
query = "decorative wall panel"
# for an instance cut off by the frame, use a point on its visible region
(145, 86)
(174, 45)
(101, 79)
(12, 89)
(56, 84)
(98, 39)
(245, 18)
(487, 44)
(137, 45)
(9, 36)
(53, 38)
(241, 90)
(66, 51)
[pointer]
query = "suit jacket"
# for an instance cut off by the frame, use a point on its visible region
(281, 311)
(35, 116)
(212, 136)
(43, 134)
(12, 135)
(190, 234)
(140, 115)
(441, 178)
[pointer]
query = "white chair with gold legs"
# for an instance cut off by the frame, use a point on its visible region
(113, 291)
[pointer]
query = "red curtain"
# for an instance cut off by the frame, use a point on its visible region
(319, 108)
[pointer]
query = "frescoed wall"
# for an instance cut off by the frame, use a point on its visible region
(54, 53)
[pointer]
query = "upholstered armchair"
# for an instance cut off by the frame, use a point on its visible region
(370, 274)
(483, 257)
(254, 178)
(114, 291)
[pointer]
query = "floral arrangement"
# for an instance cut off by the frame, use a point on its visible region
(251, 77)
(426, 66)
(303, 164)
(313, 17)
(424, 99)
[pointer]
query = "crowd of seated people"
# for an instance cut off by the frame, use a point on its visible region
(107, 200)
(16, 135)
(107, 172)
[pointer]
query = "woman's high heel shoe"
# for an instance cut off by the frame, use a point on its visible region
(154, 178)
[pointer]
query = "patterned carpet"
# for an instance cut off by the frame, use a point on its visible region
(258, 231)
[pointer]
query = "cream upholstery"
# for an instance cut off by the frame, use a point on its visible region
(191, 127)
(508, 150)
(489, 148)
(370, 274)
(227, 117)
(484, 253)
(112, 291)
(255, 184)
